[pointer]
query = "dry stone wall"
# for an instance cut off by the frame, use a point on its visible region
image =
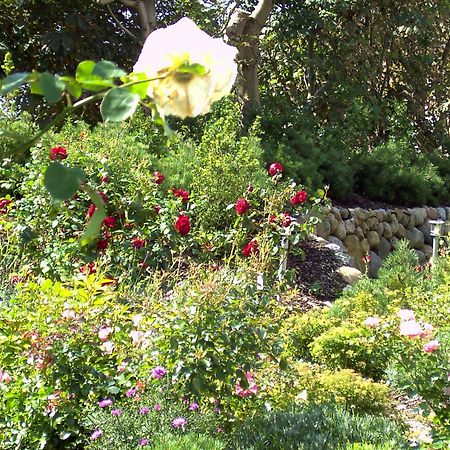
(364, 232)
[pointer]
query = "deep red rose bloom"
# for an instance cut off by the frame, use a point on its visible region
(241, 206)
(88, 268)
(4, 202)
(102, 244)
(103, 197)
(109, 221)
(137, 243)
(157, 209)
(272, 219)
(250, 188)
(105, 179)
(299, 198)
(143, 265)
(250, 249)
(275, 169)
(183, 224)
(181, 193)
(158, 177)
(58, 153)
(286, 219)
(91, 210)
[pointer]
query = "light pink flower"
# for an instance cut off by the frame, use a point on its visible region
(372, 322)
(431, 346)
(179, 422)
(252, 387)
(157, 407)
(122, 367)
(96, 434)
(69, 314)
(116, 412)
(137, 319)
(103, 333)
(193, 407)
(406, 315)
(158, 372)
(105, 403)
(427, 330)
(137, 337)
(107, 347)
(410, 328)
(5, 377)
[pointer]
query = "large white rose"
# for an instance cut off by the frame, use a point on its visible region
(181, 44)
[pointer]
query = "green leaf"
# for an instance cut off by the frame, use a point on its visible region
(52, 87)
(141, 87)
(73, 87)
(118, 104)
(196, 69)
(85, 76)
(107, 69)
(63, 182)
(95, 223)
(14, 81)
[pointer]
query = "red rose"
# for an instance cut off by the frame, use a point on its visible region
(250, 188)
(109, 221)
(88, 268)
(275, 169)
(157, 209)
(4, 202)
(158, 177)
(241, 206)
(180, 193)
(286, 219)
(250, 249)
(105, 179)
(102, 244)
(143, 265)
(183, 224)
(299, 198)
(57, 153)
(103, 197)
(137, 243)
(91, 210)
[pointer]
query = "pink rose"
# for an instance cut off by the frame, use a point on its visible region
(5, 377)
(406, 314)
(103, 333)
(431, 346)
(372, 322)
(107, 347)
(410, 328)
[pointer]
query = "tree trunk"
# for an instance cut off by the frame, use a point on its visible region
(243, 31)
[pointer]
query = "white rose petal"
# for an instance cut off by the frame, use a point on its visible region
(186, 95)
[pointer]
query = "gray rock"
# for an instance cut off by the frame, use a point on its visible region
(425, 230)
(349, 226)
(359, 233)
(344, 213)
(333, 223)
(336, 241)
(380, 214)
(387, 230)
(340, 232)
(323, 229)
(433, 213)
(373, 238)
(384, 247)
(419, 214)
(406, 220)
(380, 228)
(399, 214)
(336, 213)
(415, 238)
(401, 231)
(374, 265)
(351, 243)
(442, 213)
(349, 274)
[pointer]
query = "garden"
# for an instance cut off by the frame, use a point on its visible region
(161, 285)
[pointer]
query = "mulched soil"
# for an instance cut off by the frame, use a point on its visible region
(316, 278)
(358, 201)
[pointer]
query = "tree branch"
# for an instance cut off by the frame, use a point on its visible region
(262, 11)
(122, 27)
